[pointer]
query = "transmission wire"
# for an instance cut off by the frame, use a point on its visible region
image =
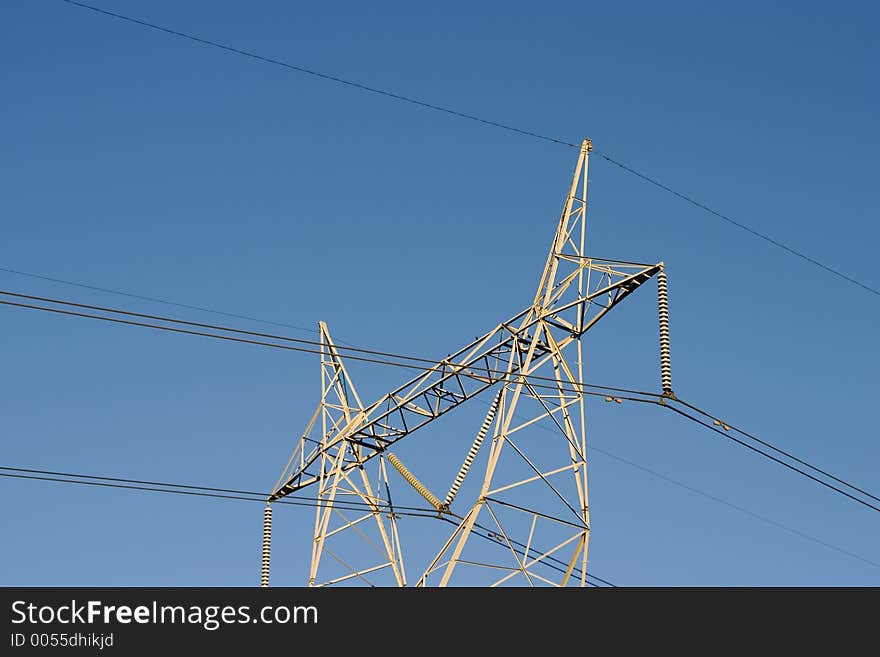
(471, 117)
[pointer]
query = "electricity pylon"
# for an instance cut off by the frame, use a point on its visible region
(532, 502)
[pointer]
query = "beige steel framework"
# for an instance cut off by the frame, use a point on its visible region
(532, 499)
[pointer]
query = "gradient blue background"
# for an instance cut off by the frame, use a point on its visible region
(135, 160)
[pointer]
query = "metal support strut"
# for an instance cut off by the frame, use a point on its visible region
(267, 543)
(663, 308)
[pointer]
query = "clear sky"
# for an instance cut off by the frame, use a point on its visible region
(138, 161)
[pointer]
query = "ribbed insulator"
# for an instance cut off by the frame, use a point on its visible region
(472, 454)
(267, 543)
(415, 483)
(663, 308)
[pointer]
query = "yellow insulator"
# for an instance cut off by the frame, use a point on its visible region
(472, 453)
(414, 482)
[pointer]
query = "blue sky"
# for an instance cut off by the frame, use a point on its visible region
(138, 161)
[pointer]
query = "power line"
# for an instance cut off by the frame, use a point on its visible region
(211, 492)
(261, 496)
(777, 460)
(345, 506)
(571, 386)
(189, 332)
(741, 509)
(714, 498)
(389, 354)
(300, 341)
(643, 397)
(132, 295)
(216, 327)
(741, 226)
(354, 505)
(783, 452)
(668, 403)
(652, 399)
(318, 74)
(471, 117)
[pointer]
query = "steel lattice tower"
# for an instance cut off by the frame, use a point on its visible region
(532, 502)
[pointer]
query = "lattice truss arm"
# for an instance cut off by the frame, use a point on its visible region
(494, 358)
(532, 504)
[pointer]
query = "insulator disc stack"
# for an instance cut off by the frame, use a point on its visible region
(663, 309)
